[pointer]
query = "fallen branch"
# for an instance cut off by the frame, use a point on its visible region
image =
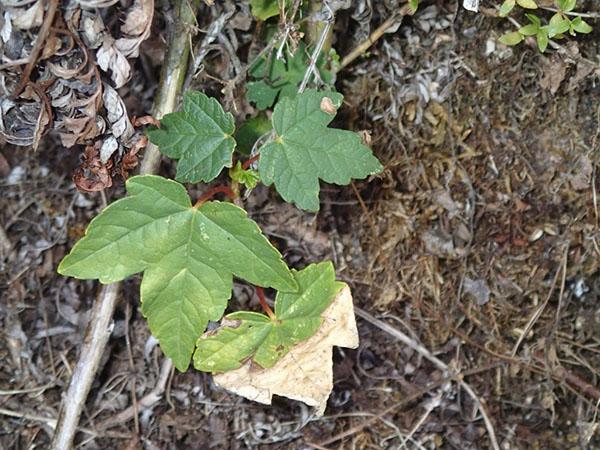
(99, 328)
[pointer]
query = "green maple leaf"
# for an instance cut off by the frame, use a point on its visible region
(306, 150)
(279, 79)
(188, 254)
(200, 137)
(266, 340)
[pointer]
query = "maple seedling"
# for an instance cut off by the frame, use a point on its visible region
(189, 253)
(200, 137)
(305, 149)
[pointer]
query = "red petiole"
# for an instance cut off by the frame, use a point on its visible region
(251, 161)
(263, 302)
(208, 195)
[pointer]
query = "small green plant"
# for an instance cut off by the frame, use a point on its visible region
(275, 78)
(189, 252)
(264, 9)
(563, 21)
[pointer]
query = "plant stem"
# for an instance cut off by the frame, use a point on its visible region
(100, 322)
(571, 13)
(208, 195)
(246, 165)
(260, 292)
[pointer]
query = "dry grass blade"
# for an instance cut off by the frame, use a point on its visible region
(146, 402)
(538, 312)
(416, 346)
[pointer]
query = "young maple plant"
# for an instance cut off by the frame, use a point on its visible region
(190, 252)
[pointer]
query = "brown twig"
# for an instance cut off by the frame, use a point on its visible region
(37, 48)
(374, 37)
(208, 195)
(260, 292)
(366, 212)
(102, 313)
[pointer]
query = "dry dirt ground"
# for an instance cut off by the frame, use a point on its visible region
(479, 240)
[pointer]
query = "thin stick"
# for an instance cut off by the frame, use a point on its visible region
(146, 402)
(37, 48)
(51, 422)
(373, 37)
(98, 329)
(416, 346)
(172, 76)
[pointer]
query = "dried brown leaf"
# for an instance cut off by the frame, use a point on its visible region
(109, 57)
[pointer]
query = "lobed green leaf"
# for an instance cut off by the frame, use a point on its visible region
(265, 340)
(188, 255)
(306, 150)
(200, 137)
